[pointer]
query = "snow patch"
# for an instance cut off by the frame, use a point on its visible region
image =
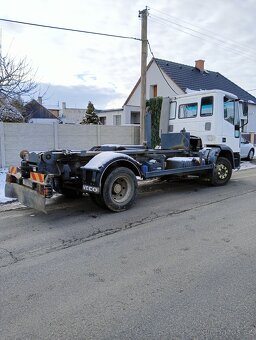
(247, 165)
(4, 199)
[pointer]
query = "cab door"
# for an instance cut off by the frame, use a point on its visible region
(230, 124)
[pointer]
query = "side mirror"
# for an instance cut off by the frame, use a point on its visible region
(245, 109)
(237, 131)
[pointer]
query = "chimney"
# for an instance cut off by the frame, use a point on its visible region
(199, 64)
(40, 100)
(64, 105)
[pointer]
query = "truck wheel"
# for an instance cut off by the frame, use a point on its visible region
(120, 189)
(250, 155)
(222, 172)
(97, 199)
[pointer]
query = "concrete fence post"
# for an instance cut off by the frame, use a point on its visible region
(252, 137)
(56, 135)
(98, 134)
(2, 145)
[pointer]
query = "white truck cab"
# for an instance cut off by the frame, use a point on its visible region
(213, 116)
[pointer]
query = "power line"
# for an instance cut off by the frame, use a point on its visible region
(69, 29)
(220, 41)
(214, 35)
(164, 21)
(161, 71)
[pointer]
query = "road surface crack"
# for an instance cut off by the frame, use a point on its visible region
(64, 244)
(9, 253)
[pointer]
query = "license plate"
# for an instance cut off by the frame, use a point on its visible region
(91, 189)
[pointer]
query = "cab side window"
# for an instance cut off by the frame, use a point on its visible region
(206, 106)
(229, 110)
(172, 114)
(188, 110)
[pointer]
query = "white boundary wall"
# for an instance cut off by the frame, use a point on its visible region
(15, 137)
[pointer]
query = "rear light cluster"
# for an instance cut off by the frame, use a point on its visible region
(45, 190)
(48, 192)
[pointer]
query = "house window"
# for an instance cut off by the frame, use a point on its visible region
(153, 91)
(206, 106)
(188, 110)
(135, 117)
(103, 120)
(117, 119)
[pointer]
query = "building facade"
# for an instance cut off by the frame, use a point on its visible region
(168, 79)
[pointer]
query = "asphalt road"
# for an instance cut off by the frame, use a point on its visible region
(181, 264)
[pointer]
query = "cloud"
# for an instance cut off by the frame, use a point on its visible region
(86, 67)
(78, 96)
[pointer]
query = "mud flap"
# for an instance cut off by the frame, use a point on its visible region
(25, 196)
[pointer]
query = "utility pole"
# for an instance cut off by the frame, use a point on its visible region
(0, 41)
(144, 53)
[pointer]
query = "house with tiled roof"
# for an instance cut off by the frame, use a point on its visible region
(167, 79)
(35, 112)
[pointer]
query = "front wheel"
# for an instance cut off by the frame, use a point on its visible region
(120, 189)
(221, 172)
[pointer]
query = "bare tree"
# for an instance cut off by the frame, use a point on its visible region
(16, 78)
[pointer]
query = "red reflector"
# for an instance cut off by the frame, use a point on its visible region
(35, 176)
(13, 170)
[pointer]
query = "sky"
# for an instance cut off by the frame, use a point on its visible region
(76, 68)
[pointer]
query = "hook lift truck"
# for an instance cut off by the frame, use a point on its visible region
(200, 136)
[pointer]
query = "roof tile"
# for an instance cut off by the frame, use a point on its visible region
(189, 77)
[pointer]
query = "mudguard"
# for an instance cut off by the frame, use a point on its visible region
(105, 158)
(100, 163)
(223, 150)
(25, 196)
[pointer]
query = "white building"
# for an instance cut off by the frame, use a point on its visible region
(167, 79)
(74, 116)
(111, 117)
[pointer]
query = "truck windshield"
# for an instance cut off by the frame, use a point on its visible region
(229, 110)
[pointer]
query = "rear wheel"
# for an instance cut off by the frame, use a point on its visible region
(97, 199)
(120, 189)
(222, 172)
(250, 155)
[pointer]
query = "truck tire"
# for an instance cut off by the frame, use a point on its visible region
(120, 189)
(97, 199)
(221, 172)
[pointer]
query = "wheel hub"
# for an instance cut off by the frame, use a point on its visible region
(117, 188)
(222, 171)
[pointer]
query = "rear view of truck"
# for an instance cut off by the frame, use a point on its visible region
(40, 174)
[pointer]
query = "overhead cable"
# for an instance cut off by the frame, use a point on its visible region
(69, 29)
(161, 71)
(201, 36)
(213, 35)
